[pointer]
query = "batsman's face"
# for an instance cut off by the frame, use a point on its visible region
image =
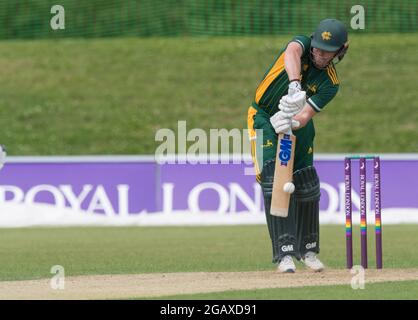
(322, 58)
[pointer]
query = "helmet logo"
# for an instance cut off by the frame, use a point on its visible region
(326, 35)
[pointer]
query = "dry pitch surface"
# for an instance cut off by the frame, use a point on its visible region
(163, 284)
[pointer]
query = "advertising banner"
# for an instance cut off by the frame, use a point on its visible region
(139, 191)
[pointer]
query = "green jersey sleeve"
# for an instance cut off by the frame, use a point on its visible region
(305, 43)
(324, 95)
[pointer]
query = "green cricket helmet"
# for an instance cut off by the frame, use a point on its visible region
(331, 35)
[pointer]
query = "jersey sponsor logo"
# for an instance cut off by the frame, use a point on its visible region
(312, 88)
(285, 150)
(268, 144)
(287, 248)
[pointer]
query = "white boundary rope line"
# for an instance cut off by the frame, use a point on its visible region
(173, 158)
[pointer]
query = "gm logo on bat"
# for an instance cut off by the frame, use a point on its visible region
(285, 150)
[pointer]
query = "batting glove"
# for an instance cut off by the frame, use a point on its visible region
(293, 104)
(283, 123)
(294, 87)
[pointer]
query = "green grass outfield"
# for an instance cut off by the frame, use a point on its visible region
(30, 253)
(109, 96)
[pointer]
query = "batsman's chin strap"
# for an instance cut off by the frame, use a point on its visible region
(341, 53)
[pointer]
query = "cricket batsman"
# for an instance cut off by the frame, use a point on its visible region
(297, 86)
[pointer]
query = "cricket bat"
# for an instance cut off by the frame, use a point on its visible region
(283, 173)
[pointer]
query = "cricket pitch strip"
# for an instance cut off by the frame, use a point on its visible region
(163, 284)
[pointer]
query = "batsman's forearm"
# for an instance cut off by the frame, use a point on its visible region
(302, 121)
(306, 114)
(292, 64)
